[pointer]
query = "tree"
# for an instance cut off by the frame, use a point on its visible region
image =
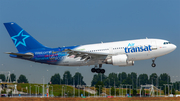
(97, 77)
(153, 79)
(13, 77)
(67, 78)
(55, 79)
(99, 85)
(113, 79)
(124, 76)
(164, 79)
(134, 78)
(22, 79)
(128, 80)
(143, 79)
(78, 79)
(2, 77)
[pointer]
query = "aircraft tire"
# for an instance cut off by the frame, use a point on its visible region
(98, 70)
(153, 65)
(102, 71)
(93, 70)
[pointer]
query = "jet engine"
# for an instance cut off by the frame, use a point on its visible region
(120, 60)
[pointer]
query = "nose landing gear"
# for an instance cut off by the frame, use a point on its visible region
(153, 64)
(98, 70)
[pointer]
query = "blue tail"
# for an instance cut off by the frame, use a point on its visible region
(22, 40)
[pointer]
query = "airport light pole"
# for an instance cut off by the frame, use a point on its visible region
(114, 88)
(0, 90)
(126, 88)
(89, 88)
(78, 84)
(36, 89)
(62, 91)
(99, 89)
(73, 87)
(122, 89)
(27, 89)
(132, 81)
(51, 91)
(119, 90)
(78, 91)
(136, 81)
(30, 90)
(21, 89)
(105, 90)
(160, 90)
(94, 91)
(130, 89)
(30, 85)
(110, 90)
(115, 91)
(43, 87)
(165, 89)
(139, 83)
(171, 88)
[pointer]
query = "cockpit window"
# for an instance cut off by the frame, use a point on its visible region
(166, 43)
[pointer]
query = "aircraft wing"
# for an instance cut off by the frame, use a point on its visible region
(86, 55)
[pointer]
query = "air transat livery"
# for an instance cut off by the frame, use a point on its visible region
(121, 53)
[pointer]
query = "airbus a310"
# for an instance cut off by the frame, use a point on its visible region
(120, 53)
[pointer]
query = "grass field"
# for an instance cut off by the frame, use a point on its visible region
(59, 89)
(95, 99)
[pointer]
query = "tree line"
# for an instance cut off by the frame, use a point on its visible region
(112, 80)
(21, 79)
(117, 79)
(68, 79)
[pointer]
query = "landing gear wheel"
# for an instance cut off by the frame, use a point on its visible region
(153, 65)
(102, 71)
(93, 70)
(98, 70)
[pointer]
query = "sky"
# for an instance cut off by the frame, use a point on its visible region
(57, 23)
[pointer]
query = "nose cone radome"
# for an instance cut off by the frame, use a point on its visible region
(173, 47)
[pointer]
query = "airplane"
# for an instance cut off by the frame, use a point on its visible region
(120, 53)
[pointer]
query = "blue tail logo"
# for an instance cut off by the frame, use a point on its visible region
(20, 39)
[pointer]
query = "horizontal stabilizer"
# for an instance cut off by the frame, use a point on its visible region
(26, 55)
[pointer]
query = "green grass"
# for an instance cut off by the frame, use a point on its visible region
(57, 89)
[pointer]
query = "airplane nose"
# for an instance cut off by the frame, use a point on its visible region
(174, 47)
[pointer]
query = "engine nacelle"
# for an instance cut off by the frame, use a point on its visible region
(120, 60)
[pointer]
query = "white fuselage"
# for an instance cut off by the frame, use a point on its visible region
(139, 49)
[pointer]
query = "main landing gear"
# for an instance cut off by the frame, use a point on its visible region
(153, 64)
(98, 70)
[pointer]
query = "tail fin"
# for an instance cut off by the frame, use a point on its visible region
(22, 40)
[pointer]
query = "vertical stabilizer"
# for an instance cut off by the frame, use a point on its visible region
(22, 40)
